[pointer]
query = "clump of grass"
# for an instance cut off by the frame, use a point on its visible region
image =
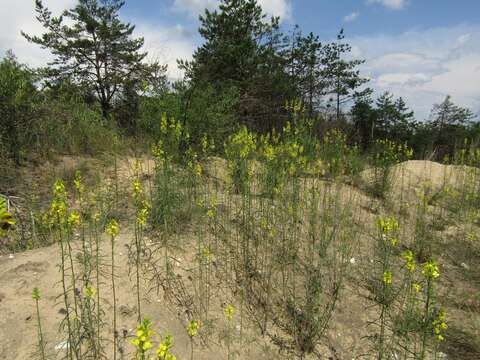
(384, 156)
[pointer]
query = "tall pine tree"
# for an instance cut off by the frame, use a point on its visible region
(93, 48)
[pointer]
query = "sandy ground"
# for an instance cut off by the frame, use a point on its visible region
(21, 272)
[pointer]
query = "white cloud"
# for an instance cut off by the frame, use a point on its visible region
(282, 8)
(20, 15)
(425, 66)
(391, 4)
(195, 7)
(163, 44)
(351, 17)
(167, 45)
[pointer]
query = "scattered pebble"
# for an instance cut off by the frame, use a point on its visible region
(11, 256)
(465, 266)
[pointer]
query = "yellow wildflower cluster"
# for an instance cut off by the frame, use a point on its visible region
(228, 311)
(417, 287)
(440, 325)
(241, 144)
(142, 214)
(6, 218)
(430, 270)
(137, 189)
(89, 292)
(192, 328)
(58, 208)
(388, 228)
(143, 338)
(112, 228)
(163, 351)
(73, 219)
(389, 153)
(387, 277)
(77, 183)
(409, 258)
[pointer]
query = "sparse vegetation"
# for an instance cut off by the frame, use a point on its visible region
(255, 223)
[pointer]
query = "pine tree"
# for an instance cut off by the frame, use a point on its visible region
(448, 123)
(93, 48)
(241, 50)
(341, 77)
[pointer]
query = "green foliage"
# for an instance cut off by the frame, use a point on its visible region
(17, 101)
(239, 151)
(383, 157)
(95, 49)
(338, 157)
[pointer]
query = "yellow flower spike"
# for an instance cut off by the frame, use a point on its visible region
(409, 260)
(59, 188)
(142, 341)
(89, 292)
(77, 182)
(210, 213)
(137, 189)
(163, 351)
(112, 228)
(192, 328)
(387, 277)
(198, 169)
(228, 311)
(73, 219)
(430, 270)
(439, 325)
(417, 287)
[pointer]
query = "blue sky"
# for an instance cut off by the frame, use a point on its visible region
(421, 50)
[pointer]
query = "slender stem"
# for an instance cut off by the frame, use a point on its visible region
(115, 333)
(41, 343)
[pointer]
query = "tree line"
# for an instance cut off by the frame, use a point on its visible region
(245, 71)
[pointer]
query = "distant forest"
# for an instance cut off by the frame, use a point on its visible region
(247, 72)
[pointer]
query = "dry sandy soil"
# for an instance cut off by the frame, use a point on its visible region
(21, 272)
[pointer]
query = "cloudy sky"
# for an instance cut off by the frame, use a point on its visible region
(418, 49)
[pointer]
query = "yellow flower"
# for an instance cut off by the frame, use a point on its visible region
(73, 219)
(387, 225)
(137, 189)
(192, 328)
(89, 292)
(112, 228)
(142, 341)
(440, 325)
(143, 213)
(210, 213)
(430, 270)
(409, 260)
(387, 277)
(163, 351)
(417, 287)
(77, 182)
(198, 169)
(229, 310)
(59, 188)
(206, 254)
